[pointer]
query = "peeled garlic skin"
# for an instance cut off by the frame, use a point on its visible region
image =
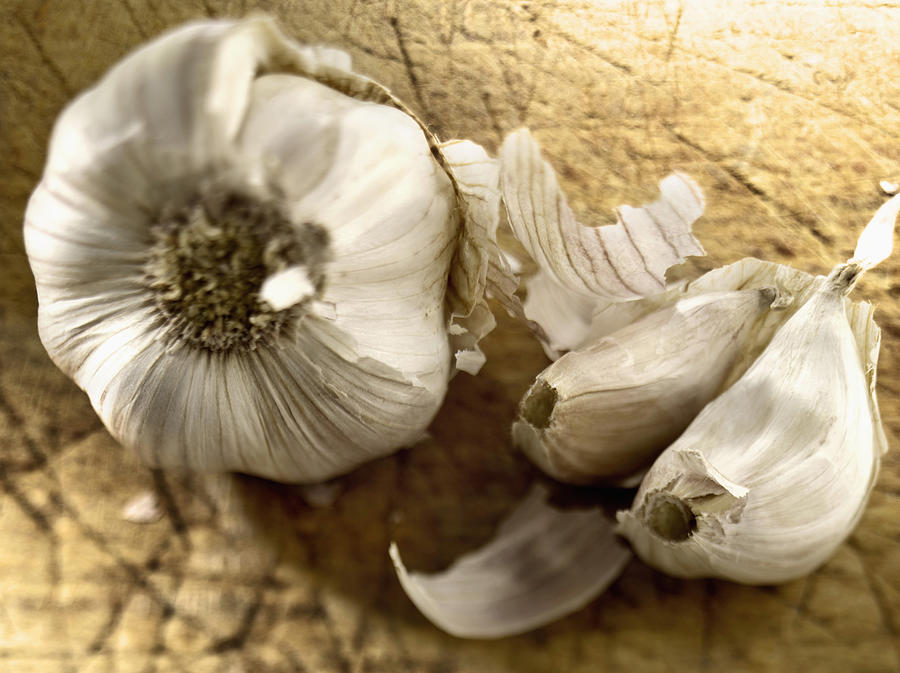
(224, 105)
(774, 473)
(603, 413)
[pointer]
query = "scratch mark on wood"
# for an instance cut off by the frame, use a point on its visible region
(786, 88)
(673, 35)
(126, 4)
(408, 64)
(38, 457)
(492, 115)
(173, 513)
(27, 172)
(238, 639)
(40, 519)
(44, 57)
(117, 609)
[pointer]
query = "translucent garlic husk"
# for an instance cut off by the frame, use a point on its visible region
(774, 473)
(367, 243)
(542, 564)
(602, 413)
(568, 270)
(571, 273)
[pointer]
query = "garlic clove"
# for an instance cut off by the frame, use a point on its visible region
(774, 473)
(570, 450)
(792, 288)
(544, 563)
(604, 412)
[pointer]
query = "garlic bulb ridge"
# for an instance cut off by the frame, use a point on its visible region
(242, 250)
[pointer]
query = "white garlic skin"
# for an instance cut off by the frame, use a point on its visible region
(774, 473)
(224, 105)
(602, 413)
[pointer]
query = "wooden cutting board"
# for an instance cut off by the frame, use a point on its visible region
(789, 117)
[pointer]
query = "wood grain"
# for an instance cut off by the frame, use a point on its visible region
(786, 113)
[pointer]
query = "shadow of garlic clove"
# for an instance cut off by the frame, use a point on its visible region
(602, 413)
(774, 473)
(242, 248)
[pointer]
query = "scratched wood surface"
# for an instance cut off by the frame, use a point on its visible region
(788, 114)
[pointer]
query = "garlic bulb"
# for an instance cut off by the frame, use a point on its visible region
(242, 249)
(774, 473)
(604, 412)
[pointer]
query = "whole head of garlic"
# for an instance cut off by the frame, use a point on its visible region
(253, 259)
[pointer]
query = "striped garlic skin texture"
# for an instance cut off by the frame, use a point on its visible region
(576, 269)
(219, 106)
(774, 473)
(542, 564)
(602, 413)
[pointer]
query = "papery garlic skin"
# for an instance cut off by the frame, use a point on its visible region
(604, 412)
(350, 366)
(774, 473)
(580, 268)
(542, 564)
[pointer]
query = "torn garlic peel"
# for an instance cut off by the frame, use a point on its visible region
(475, 176)
(581, 267)
(543, 564)
(604, 412)
(774, 473)
(217, 139)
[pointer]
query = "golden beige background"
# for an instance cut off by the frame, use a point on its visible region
(786, 113)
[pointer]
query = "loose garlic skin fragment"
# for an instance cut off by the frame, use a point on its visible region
(580, 269)
(774, 473)
(604, 412)
(245, 264)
